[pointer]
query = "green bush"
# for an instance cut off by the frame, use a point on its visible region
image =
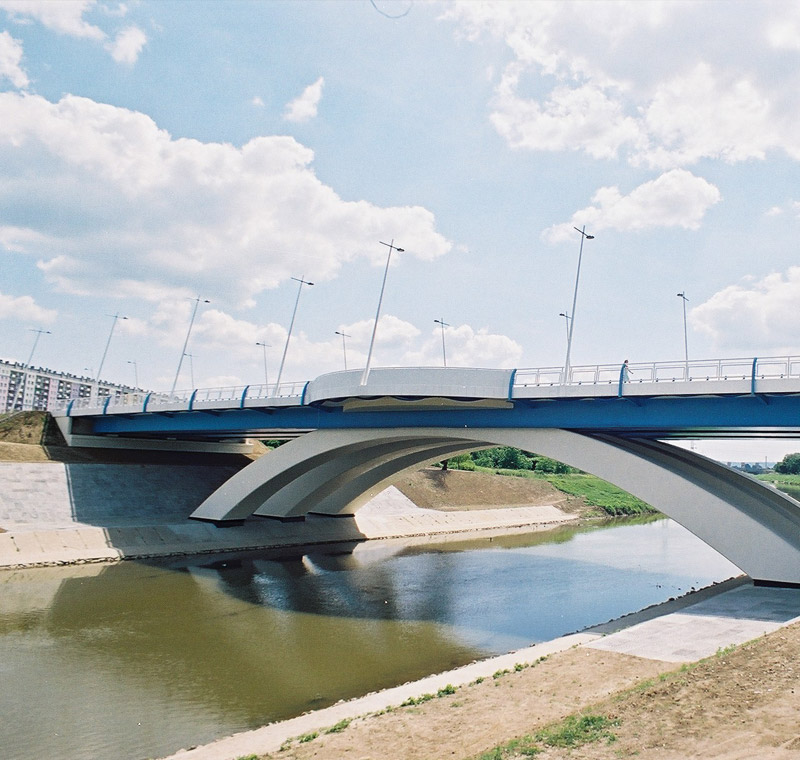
(789, 465)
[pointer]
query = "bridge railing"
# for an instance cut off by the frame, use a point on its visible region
(748, 368)
(235, 395)
(599, 376)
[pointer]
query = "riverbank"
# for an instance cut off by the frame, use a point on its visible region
(712, 674)
(55, 513)
(61, 505)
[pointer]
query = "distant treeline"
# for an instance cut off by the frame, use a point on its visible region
(509, 458)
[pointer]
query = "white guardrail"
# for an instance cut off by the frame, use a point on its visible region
(660, 372)
(597, 375)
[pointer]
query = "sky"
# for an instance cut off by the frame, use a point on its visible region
(154, 153)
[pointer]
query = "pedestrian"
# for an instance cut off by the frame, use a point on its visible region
(626, 372)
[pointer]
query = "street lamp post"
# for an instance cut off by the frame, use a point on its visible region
(264, 347)
(190, 357)
(443, 324)
(300, 282)
(392, 247)
(684, 299)
(24, 378)
(39, 334)
(135, 372)
(197, 300)
(344, 345)
(565, 314)
(584, 236)
(114, 317)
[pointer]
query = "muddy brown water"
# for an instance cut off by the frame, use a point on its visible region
(138, 659)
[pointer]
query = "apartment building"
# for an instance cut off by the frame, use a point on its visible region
(24, 388)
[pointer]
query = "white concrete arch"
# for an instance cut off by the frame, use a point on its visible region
(336, 471)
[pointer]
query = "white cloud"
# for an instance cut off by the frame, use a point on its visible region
(124, 206)
(675, 199)
(10, 61)
(67, 17)
(257, 101)
(601, 78)
(397, 343)
(127, 45)
(63, 16)
(582, 118)
(699, 115)
(304, 107)
(759, 315)
(464, 347)
(783, 30)
(25, 309)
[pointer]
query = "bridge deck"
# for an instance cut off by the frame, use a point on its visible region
(734, 397)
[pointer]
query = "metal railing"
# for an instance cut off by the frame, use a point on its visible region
(694, 371)
(663, 372)
(185, 399)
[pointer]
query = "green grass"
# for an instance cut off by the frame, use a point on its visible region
(600, 493)
(596, 492)
(778, 477)
(574, 731)
(337, 728)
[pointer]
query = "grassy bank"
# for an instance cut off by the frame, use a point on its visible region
(594, 491)
(780, 478)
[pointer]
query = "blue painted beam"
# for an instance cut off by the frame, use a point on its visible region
(654, 417)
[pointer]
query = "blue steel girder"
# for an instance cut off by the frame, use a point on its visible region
(654, 417)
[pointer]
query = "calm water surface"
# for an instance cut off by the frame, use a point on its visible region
(136, 660)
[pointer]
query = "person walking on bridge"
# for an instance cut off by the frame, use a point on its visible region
(626, 372)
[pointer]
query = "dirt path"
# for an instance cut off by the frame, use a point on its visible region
(735, 706)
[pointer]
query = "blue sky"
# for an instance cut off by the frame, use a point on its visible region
(152, 152)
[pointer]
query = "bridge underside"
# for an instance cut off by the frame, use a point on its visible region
(334, 472)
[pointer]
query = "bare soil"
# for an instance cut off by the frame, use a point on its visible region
(35, 437)
(453, 490)
(743, 704)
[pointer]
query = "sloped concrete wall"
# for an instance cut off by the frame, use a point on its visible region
(54, 494)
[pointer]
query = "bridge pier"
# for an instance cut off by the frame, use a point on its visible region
(337, 471)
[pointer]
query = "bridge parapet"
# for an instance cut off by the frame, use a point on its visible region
(772, 375)
(419, 382)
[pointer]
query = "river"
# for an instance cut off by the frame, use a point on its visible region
(138, 659)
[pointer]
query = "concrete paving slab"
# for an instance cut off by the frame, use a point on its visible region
(700, 630)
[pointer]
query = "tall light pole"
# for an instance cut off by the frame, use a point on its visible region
(683, 298)
(584, 236)
(190, 357)
(392, 247)
(114, 318)
(565, 314)
(443, 325)
(135, 372)
(39, 334)
(300, 282)
(24, 378)
(344, 345)
(197, 301)
(264, 347)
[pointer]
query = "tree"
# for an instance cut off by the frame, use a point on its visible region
(789, 465)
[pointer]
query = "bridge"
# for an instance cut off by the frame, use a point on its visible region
(350, 439)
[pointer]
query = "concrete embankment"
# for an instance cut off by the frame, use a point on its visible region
(59, 513)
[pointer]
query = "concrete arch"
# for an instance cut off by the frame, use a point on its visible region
(336, 471)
